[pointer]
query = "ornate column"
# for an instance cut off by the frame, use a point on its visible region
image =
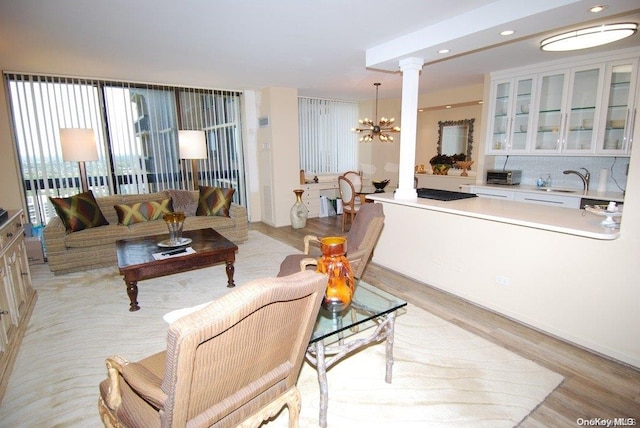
(410, 68)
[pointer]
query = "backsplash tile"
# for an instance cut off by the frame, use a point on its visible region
(534, 167)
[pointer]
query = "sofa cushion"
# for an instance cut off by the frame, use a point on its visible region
(214, 201)
(183, 201)
(79, 212)
(142, 211)
(97, 236)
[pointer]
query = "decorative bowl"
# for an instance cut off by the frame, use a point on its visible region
(380, 185)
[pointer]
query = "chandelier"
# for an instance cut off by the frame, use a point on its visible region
(373, 128)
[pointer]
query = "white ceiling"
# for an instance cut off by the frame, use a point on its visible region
(321, 47)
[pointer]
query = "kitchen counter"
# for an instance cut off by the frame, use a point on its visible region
(554, 219)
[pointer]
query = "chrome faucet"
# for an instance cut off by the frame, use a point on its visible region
(584, 177)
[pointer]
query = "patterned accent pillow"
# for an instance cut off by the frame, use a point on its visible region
(214, 201)
(142, 211)
(79, 212)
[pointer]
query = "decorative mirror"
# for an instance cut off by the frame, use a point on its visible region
(455, 136)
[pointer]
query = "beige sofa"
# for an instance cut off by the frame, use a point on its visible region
(95, 247)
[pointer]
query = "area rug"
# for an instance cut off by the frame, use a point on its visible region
(443, 375)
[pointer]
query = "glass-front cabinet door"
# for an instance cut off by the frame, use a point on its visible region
(549, 114)
(511, 124)
(582, 116)
(618, 116)
(568, 103)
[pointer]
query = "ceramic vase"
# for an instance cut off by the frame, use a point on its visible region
(334, 263)
(175, 222)
(299, 211)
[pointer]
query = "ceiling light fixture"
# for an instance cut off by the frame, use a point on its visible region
(596, 9)
(588, 37)
(381, 130)
(507, 32)
(444, 51)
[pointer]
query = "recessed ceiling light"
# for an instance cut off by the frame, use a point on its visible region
(507, 32)
(447, 106)
(588, 37)
(596, 9)
(444, 51)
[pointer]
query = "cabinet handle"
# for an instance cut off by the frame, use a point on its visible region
(9, 234)
(4, 312)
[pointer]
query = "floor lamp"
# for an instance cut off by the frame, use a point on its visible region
(192, 145)
(79, 145)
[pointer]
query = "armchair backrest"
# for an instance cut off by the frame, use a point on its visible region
(355, 179)
(363, 236)
(227, 360)
(347, 192)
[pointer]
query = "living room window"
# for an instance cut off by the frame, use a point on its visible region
(327, 144)
(136, 128)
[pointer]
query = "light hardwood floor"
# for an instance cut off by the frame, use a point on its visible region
(594, 386)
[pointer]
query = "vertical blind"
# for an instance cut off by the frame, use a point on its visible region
(136, 128)
(327, 144)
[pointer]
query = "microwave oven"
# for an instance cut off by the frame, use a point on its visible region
(507, 177)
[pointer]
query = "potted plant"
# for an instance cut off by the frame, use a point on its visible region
(440, 164)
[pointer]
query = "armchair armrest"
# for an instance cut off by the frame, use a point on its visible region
(308, 239)
(138, 377)
(308, 262)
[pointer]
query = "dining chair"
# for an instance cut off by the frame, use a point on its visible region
(355, 179)
(233, 363)
(350, 199)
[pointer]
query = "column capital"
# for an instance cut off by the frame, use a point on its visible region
(412, 63)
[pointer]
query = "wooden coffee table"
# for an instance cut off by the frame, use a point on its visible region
(136, 262)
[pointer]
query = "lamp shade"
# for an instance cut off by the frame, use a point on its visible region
(192, 145)
(78, 145)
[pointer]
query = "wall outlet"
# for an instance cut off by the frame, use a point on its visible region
(502, 280)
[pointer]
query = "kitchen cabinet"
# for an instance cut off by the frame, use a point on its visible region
(510, 121)
(583, 108)
(567, 110)
(489, 192)
(545, 198)
(17, 296)
(618, 118)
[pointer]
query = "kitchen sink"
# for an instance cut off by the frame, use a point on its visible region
(548, 189)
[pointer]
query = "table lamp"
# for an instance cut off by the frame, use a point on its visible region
(79, 145)
(192, 145)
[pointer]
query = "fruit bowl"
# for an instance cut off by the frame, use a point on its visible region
(380, 185)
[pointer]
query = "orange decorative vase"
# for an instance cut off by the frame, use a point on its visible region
(333, 262)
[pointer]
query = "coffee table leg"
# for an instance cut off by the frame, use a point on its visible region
(230, 271)
(132, 292)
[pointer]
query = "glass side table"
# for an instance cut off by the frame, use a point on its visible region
(370, 307)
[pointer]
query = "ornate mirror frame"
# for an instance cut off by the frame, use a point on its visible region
(465, 122)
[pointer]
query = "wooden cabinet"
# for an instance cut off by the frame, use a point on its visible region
(583, 109)
(17, 296)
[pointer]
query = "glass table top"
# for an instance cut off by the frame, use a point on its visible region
(368, 303)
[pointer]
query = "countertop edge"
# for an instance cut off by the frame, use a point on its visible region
(554, 219)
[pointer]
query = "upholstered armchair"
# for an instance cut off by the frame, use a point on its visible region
(235, 362)
(361, 240)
